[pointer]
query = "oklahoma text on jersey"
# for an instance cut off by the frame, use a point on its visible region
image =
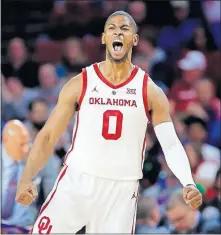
(109, 101)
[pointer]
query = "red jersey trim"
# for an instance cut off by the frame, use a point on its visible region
(73, 140)
(145, 101)
(104, 80)
(84, 87)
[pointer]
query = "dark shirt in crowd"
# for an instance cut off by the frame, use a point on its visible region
(27, 73)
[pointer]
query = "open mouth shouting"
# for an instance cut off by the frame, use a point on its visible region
(117, 47)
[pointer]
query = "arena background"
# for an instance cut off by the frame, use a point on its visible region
(45, 42)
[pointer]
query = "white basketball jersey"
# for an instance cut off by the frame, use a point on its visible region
(109, 132)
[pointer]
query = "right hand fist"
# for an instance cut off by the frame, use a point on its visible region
(26, 193)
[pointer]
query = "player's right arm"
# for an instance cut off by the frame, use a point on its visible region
(48, 137)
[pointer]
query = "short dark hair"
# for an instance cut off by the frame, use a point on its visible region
(190, 120)
(123, 13)
(33, 102)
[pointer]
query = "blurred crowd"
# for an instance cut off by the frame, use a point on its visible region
(179, 48)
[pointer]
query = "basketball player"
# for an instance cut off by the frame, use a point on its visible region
(98, 186)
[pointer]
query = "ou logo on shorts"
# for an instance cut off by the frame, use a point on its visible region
(44, 225)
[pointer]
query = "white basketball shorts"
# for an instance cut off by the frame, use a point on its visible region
(79, 199)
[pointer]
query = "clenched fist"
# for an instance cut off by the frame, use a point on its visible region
(26, 193)
(192, 196)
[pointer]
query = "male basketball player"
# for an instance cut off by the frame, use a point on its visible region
(98, 185)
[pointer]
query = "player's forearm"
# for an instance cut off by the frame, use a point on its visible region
(39, 155)
(174, 152)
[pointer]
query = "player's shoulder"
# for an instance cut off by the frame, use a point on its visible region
(153, 90)
(72, 88)
(74, 82)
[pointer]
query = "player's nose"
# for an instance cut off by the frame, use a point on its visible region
(118, 32)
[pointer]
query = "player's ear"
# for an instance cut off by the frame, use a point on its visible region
(103, 38)
(136, 39)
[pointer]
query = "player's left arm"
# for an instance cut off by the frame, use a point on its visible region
(174, 152)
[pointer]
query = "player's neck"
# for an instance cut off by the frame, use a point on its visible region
(116, 71)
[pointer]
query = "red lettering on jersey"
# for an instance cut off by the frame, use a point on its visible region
(97, 100)
(127, 102)
(108, 102)
(116, 102)
(121, 102)
(134, 103)
(44, 225)
(102, 102)
(91, 100)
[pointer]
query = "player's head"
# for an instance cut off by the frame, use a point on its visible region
(38, 113)
(16, 140)
(119, 36)
(180, 215)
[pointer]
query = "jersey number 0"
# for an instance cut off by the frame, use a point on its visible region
(115, 125)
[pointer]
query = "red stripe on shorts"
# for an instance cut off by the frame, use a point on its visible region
(62, 173)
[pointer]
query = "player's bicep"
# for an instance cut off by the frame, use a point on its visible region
(63, 112)
(159, 105)
(59, 119)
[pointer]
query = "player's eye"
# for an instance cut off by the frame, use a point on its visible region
(125, 29)
(111, 28)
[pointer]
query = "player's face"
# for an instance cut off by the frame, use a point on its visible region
(119, 37)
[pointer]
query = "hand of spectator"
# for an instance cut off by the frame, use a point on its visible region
(197, 110)
(192, 196)
(26, 193)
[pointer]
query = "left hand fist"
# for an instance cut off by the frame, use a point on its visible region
(192, 196)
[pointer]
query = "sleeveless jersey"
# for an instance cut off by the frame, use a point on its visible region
(109, 132)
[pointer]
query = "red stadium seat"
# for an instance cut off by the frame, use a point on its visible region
(48, 51)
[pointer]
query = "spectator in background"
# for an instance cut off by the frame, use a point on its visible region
(207, 98)
(111, 6)
(215, 197)
(198, 41)
(182, 218)
(19, 99)
(8, 110)
(212, 210)
(173, 38)
(148, 48)
(149, 218)
(197, 133)
(211, 104)
(180, 128)
(50, 85)
(183, 92)
(38, 113)
(73, 59)
(16, 143)
(138, 11)
(141, 61)
(57, 25)
(20, 65)
(211, 10)
(194, 154)
(166, 184)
